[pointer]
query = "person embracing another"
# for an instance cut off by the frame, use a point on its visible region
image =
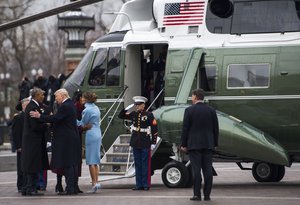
(34, 156)
(199, 138)
(66, 150)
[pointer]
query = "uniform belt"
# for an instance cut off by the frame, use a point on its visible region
(147, 130)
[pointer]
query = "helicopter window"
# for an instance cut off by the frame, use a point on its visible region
(248, 76)
(265, 16)
(97, 75)
(207, 78)
(178, 60)
(248, 17)
(76, 79)
(113, 67)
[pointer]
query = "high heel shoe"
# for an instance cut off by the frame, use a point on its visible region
(93, 190)
(59, 188)
(98, 186)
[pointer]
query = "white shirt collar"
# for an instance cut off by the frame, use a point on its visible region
(35, 102)
(65, 100)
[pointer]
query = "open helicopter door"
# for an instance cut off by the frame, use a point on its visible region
(144, 72)
(189, 76)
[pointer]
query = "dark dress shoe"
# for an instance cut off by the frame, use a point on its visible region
(146, 188)
(34, 194)
(196, 198)
(137, 188)
(206, 198)
(59, 188)
(66, 193)
(78, 190)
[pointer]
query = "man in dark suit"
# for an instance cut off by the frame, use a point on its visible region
(66, 149)
(199, 138)
(17, 132)
(34, 154)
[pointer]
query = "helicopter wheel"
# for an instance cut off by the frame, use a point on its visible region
(175, 175)
(265, 172)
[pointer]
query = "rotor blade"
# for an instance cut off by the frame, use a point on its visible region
(51, 12)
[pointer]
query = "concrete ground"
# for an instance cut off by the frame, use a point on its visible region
(232, 186)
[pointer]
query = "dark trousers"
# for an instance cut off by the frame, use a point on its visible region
(42, 179)
(71, 174)
(141, 163)
(202, 159)
(31, 180)
(20, 179)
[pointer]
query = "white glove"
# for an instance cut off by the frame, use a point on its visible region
(48, 144)
(153, 147)
(129, 107)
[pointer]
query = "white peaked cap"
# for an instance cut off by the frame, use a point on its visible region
(139, 99)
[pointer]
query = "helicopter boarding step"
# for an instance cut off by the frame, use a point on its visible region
(118, 161)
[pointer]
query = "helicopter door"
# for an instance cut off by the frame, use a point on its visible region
(132, 72)
(188, 77)
(144, 73)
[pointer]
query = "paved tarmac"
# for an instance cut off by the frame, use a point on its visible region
(232, 186)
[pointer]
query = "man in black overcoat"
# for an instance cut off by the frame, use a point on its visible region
(17, 133)
(199, 138)
(34, 154)
(66, 149)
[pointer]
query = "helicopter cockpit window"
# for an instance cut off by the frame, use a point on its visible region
(76, 79)
(97, 75)
(113, 67)
(248, 76)
(207, 78)
(106, 68)
(251, 16)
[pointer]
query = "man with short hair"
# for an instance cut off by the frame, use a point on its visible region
(17, 132)
(199, 138)
(66, 149)
(143, 126)
(34, 153)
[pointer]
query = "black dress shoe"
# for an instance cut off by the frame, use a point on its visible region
(34, 194)
(137, 188)
(206, 198)
(196, 198)
(66, 193)
(78, 190)
(146, 188)
(59, 188)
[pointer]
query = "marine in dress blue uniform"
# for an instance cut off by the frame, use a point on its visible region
(144, 134)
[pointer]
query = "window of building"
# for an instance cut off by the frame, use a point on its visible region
(248, 76)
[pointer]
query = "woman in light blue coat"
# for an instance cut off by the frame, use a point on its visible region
(91, 118)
